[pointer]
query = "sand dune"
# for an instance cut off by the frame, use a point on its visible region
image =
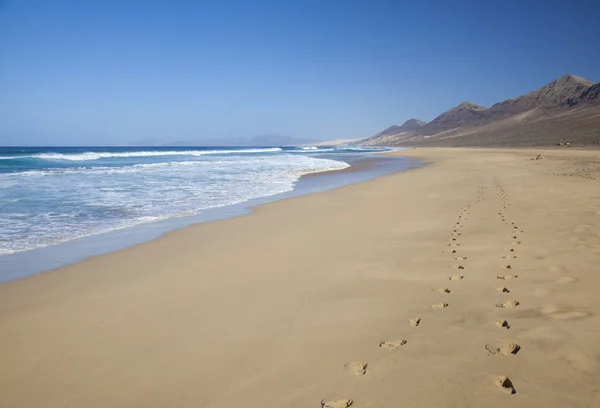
(286, 307)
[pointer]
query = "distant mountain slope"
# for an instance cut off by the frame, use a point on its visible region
(578, 127)
(557, 93)
(412, 124)
(568, 107)
(465, 113)
(392, 133)
(408, 126)
(590, 95)
(392, 130)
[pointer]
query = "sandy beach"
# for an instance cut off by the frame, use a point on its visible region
(308, 301)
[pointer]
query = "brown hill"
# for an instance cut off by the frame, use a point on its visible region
(412, 124)
(567, 110)
(394, 132)
(557, 93)
(591, 95)
(463, 114)
(408, 126)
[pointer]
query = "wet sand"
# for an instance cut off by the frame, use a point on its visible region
(470, 282)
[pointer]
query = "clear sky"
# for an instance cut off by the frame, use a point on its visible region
(116, 72)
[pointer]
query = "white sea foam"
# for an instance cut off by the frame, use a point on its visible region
(151, 153)
(88, 200)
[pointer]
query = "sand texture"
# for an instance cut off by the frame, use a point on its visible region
(312, 301)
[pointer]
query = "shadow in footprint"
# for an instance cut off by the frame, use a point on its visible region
(505, 384)
(503, 324)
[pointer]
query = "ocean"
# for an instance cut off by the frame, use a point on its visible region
(51, 196)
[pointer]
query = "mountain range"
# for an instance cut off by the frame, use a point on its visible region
(566, 110)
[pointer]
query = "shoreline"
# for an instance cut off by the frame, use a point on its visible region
(269, 309)
(46, 259)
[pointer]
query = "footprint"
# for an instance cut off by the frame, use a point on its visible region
(516, 243)
(356, 367)
(503, 324)
(444, 290)
(453, 244)
(439, 306)
(509, 257)
(392, 344)
(460, 267)
(504, 384)
(503, 290)
(507, 349)
(453, 251)
(510, 249)
(460, 258)
(506, 267)
(343, 403)
(509, 304)
(415, 321)
(507, 277)
(455, 277)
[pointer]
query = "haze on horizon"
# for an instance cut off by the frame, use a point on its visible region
(109, 73)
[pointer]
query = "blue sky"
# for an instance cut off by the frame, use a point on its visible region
(116, 72)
